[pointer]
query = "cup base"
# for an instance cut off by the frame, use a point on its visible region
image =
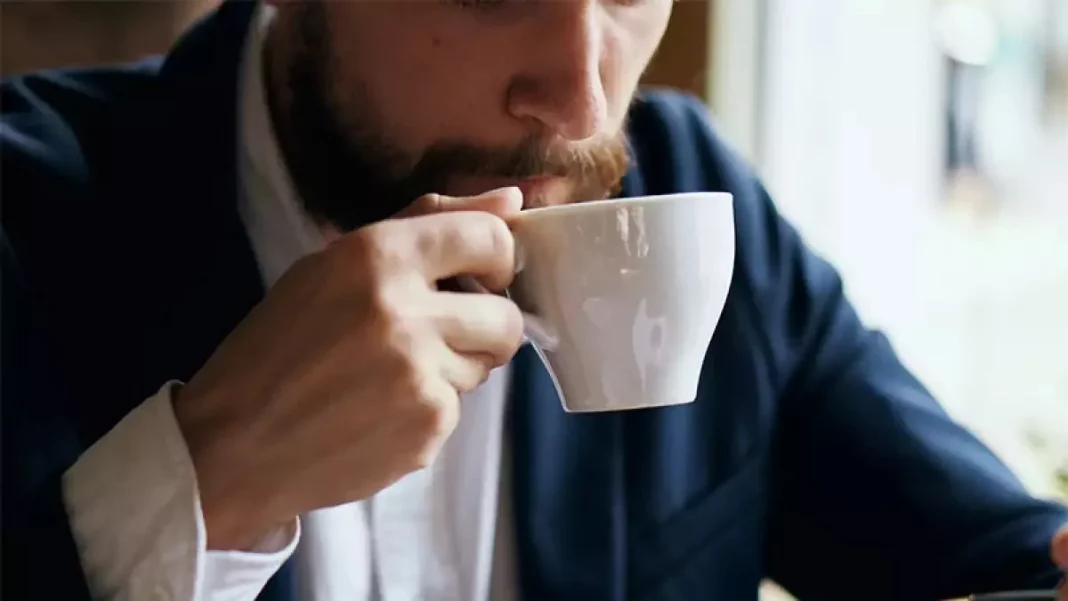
(622, 406)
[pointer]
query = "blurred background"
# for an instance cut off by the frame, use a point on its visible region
(920, 145)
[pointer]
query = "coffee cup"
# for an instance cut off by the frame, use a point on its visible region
(621, 297)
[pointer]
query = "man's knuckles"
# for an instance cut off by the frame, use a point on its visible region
(429, 409)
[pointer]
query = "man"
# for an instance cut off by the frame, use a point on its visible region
(173, 431)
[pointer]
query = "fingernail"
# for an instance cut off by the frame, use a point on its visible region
(513, 192)
(504, 190)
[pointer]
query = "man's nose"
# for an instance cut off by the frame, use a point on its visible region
(563, 89)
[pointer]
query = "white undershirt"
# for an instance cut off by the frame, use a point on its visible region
(132, 498)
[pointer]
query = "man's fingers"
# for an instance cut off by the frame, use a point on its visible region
(466, 243)
(1059, 554)
(479, 325)
(1059, 548)
(502, 202)
(461, 252)
(466, 371)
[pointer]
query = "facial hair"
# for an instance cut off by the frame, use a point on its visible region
(347, 172)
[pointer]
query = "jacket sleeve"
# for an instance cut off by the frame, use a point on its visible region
(40, 559)
(877, 493)
(119, 519)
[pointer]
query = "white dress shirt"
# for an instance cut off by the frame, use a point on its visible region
(132, 497)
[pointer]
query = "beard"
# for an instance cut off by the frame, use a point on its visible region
(347, 172)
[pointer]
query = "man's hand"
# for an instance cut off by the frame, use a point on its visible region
(1059, 551)
(347, 376)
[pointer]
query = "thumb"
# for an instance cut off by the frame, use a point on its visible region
(503, 202)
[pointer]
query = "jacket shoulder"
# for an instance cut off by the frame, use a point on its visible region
(49, 119)
(72, 97)
(676, 146)
(70, 87)
(57, 131)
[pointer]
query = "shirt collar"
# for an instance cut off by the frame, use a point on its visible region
(279, 229)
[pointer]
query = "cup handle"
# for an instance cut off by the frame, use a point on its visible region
(535, 329)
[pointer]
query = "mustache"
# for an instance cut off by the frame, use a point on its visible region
(602, 159)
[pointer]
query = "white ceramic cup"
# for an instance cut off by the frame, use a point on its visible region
(626, 294)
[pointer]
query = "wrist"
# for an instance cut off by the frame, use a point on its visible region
(230, 527)
(235, 513)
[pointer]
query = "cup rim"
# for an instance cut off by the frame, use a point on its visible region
(582, 207)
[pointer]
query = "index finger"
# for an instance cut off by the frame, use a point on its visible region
(473, 243)
(502, 202)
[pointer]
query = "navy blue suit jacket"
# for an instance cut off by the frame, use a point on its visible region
(811, 456)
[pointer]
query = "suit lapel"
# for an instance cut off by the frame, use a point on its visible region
(568, 493)
(209, 280)
(206, 280)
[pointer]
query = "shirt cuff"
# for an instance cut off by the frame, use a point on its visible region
(234, 575)
(134, 511)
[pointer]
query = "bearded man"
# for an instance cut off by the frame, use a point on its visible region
(233, 369)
